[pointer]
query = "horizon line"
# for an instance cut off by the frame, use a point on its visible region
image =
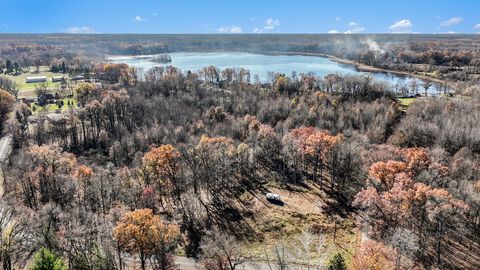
(238, 34)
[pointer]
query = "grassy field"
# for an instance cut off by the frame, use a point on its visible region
(28, 89)
(304, 210)
(405, 102)
(54, 107)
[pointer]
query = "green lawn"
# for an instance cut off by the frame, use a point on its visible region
(28, 89)
(54, 107)
(405, 102)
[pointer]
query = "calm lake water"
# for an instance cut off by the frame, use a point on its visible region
(263, 64)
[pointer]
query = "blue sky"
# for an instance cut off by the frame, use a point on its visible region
(240, 16)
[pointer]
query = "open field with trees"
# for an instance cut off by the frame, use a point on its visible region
(20, 79)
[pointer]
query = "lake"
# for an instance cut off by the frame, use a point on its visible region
(261, 65)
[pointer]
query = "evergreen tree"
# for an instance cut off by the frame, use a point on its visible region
(9, 66)
(46, 260)
(337, 262)
(64, 67)
(16, 67)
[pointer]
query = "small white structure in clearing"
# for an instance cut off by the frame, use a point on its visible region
(78, 78)
(38, 79)
(273, 197)
(58, 79)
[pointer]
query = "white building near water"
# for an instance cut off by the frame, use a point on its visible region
(39, 79)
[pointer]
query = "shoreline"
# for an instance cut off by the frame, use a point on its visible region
(364, 67)
(358, 66)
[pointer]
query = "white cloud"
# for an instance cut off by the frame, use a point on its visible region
(333, 31)
(252, 19)
(337, 18)
(271, 23)
(230, 29)
(358, 30)
(138, 19)
(354, 28)
(79, 30)
(477, 26)
(402, 26)
(451, 22)
(235, 29)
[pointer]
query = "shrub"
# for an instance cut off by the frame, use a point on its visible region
(337, 262)
(46, 260)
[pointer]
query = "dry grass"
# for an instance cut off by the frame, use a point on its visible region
(286, 224)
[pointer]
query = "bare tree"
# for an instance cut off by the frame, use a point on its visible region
(414, 86)
(302, 251)
(309, 246)
(9, 85)
(426, 85)
(223, 251)
(406, 243)
(280, 260)
(11, 238)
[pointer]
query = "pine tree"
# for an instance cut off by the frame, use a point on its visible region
(46, 260)
(337, 262)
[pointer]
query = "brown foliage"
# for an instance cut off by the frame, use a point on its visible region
(6, 105)
(319, 143)
(372, 255)
(162, 161)
(141, 232)
(384, 173)
(418, 159)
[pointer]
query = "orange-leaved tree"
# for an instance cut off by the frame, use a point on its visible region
(383, 174)
(397, 200)
(418, 159)
(143, 233)
(162, 164)
(318, 146)
(373, 255)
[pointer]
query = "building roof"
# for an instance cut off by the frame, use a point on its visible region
(37, 78)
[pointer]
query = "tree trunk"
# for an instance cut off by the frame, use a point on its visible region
(439, 241)
(142, 260)
(120, 263)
